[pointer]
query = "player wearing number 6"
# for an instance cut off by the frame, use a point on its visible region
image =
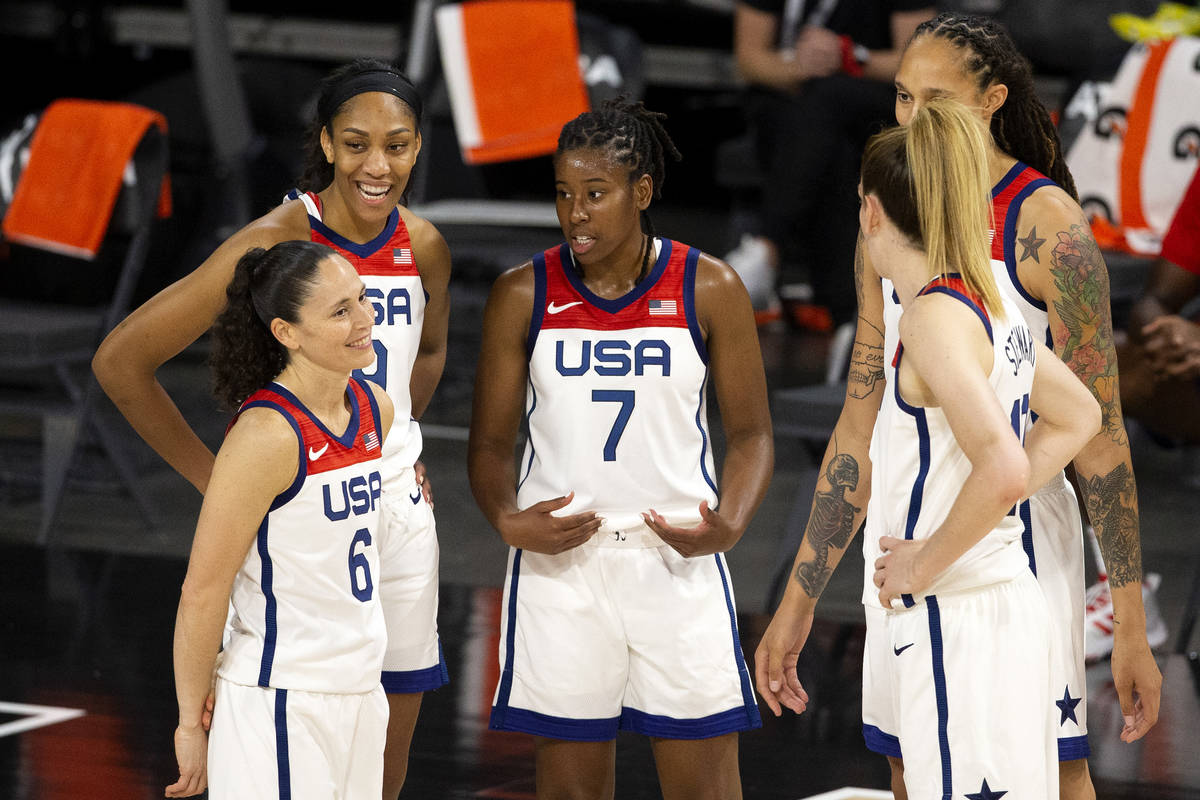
(619, 612)
(286, 542)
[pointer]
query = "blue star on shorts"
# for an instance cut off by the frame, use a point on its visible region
(1067, 706)
(985, 793)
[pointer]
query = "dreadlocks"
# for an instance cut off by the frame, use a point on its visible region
(1022, 126)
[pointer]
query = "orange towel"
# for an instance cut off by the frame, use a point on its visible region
(512, 74)
(65, 197)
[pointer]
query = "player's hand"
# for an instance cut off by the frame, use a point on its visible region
(191, 753)
(818, 53)
(1172, 346)
(712, 535)
(775, 660)
(896, 570)
(1138, 683)
(538, 530)
(423, 481)
(206, 715)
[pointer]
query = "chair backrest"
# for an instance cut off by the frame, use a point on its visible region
(42, 276)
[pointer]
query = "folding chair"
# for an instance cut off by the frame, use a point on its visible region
(46, 346)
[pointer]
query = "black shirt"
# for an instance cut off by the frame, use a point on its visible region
(867, 22)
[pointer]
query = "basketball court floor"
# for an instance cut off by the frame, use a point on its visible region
(87, 706)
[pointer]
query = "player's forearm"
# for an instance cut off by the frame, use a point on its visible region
(989, 492)
(746, 474)
(1104, 473)
(1050, 446)
(156, 418)
(493, 482)
(838, 509)
(199, 622)
(426, 374)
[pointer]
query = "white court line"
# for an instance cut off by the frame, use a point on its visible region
(35, 717)
(852, 793)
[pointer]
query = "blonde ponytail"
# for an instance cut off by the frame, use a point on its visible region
(932, 180)
(947, 158)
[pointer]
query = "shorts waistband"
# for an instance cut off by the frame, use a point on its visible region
(634, 536)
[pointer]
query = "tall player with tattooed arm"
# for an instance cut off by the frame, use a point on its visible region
(1046, 259)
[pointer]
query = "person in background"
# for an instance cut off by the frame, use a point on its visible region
(819, 82)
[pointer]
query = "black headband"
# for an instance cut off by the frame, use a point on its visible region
(375, 80)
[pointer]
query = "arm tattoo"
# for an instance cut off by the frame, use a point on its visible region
(866, 367)
(830, 524)
(1083, 336)
(1032, 245)
(1112, 505)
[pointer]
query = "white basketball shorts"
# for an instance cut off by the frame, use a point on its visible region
(969, 682)
(1054, 528)
(408, 591)
(269, 743)
(622, 633)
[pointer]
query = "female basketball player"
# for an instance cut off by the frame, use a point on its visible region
(286, 540)
(619, 613)
(363, 145)
(943, 537)
(1045, 258)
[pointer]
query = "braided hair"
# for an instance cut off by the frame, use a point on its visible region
(633, 136)
(1022, 126)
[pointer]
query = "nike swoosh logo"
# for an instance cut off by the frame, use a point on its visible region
(553, 309)
(416, 498)
(313, 455)
(899, 650)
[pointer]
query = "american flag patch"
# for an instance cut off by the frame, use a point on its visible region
(402, 257)
(663, 308)
(371, 440)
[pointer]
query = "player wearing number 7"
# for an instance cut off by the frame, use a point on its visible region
(619, 613)
(286, 540)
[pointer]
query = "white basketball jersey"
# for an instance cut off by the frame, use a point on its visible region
(615, 405)
(389, 269)
(306, 613)
(918, 469)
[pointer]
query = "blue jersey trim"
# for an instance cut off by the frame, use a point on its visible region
(528, 427)
(979, 312)
(749, 705)
(501, 709)
(375, 418)
(704, 436)
(302, 465)
(925, 455)
(572, 730)
(1010, 239)
(689, 303)
(282, 762)
(885, 744)
(939, 688)
(417, 680)
(270, 621)
(1027, 536)
(1073, 748)
(347, 437)
(1008, 178)
(361, 250)
(626, 300)
(731, 721)
(539, 303)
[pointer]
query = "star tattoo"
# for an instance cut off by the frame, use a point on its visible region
(1031, 243)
